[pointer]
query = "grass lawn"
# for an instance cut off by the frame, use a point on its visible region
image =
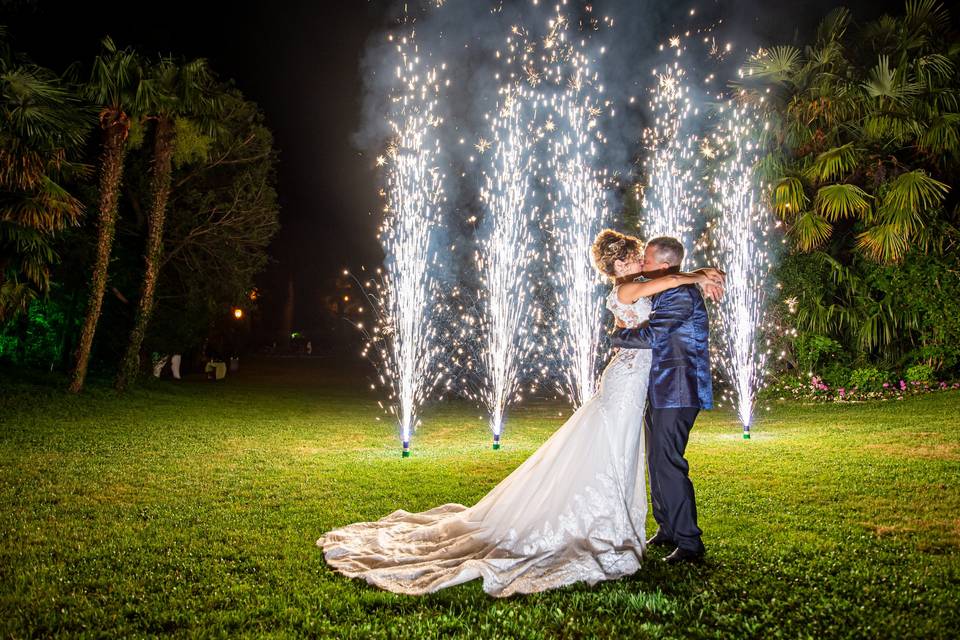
(193, 509)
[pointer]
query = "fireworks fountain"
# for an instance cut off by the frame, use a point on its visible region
(579, 215)
(505, 324)
(546, 134)
(579, 209)
(742, 241)
(403, 342)
(672, 195)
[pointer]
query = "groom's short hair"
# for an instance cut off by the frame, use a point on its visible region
(667, 249)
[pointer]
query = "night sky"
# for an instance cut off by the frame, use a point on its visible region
(300, 60)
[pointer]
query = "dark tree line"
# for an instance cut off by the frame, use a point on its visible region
(137, 199)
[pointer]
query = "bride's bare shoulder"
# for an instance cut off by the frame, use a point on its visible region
(627, 294)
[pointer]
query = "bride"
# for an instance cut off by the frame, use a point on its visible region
(574, 511)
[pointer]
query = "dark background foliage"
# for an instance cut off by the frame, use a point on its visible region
(860, 102)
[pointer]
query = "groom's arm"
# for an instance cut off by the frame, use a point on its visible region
(673, 308)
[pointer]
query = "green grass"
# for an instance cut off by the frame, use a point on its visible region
(193, 509)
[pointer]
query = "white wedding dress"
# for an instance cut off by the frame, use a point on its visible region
(574, 511)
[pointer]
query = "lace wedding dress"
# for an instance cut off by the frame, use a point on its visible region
(574, 511)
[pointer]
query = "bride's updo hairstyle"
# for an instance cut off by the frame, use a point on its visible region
(611, 246)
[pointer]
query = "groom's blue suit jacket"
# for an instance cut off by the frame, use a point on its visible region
(677, 333)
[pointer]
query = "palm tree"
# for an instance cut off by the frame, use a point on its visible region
(864, 130)
(118, 86)
(42, 122)
(865, 150)
(183, 91)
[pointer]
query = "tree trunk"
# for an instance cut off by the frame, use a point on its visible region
(115, 128)
(160, 191)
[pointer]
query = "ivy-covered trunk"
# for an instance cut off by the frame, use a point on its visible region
(160, 191)
(115, 126)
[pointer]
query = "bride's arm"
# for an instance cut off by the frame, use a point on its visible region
(630, 292)
(716, 275)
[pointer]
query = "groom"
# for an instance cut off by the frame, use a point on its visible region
(679, 387)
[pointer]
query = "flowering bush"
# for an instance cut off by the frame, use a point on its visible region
(815, 388)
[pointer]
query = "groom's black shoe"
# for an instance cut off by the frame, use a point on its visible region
(684, 555)
(661, 540)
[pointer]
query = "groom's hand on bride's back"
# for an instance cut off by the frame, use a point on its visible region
(713, 275)
(713, 291)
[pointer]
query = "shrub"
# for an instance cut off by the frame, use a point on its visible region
(867, 314)
(920, 373)
(868, 379)
(814, 351)
(835, 375)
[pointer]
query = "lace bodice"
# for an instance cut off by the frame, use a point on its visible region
(631, 315)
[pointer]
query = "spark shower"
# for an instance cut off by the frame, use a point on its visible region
(543, 194)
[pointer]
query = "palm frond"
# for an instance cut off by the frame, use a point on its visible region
(771, 166)
(880, 34)
(891, 129)
(810, 230)
(825, 55)
(116, 80)
(21, 167)
(47, 209)
(883, 242)
(839, 201)
(777, 63)
(789, 197)
(913, 191)
(944, 100)
(934, 67)
(31, 252)
(943, 135)
(15, 297)
(36, 105)
(816, 316)
(185, 89)
(936, 238)
(834, 26)
(875, 329)
(889, 83)
(833, 163)
(926, 14)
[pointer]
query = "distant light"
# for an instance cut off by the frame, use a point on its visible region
(238, 313)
